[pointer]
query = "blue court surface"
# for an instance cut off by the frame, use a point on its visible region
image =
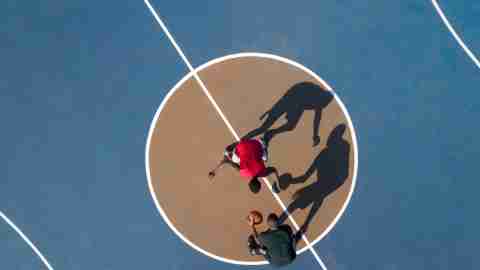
(81, 82)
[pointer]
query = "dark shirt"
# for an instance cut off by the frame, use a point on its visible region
(279, 244)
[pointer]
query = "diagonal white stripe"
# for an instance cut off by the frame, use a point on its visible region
(217, 108)
(184, 58)
(25, 238)
(454, 33)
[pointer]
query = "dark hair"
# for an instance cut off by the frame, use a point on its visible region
(272, 219)
(231, 147)
(255, 185)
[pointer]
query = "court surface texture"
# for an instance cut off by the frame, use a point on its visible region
(114, 112)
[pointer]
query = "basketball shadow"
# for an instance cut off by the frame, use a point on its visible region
(300, 97)
(331, 166)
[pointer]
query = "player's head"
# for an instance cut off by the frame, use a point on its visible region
(272, 220)
(255, 185)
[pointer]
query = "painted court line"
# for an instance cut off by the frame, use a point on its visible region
(205, 90)
(25, 238)
(190, 67)
(454, 33)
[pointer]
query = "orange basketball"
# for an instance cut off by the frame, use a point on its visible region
(256, 216)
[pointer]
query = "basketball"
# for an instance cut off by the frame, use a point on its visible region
(256, 216)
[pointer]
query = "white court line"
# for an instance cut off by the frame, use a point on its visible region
(205, 90)
(454, 33)
(25, 238)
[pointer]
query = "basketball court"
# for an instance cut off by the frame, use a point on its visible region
(114, 115)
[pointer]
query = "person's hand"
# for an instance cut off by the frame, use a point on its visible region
(211, 175)
(316, 140)
(250, 220)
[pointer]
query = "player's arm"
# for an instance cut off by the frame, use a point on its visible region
(254, 229)
(233, 164)
(213, 172)
(225, 160)
(255, 234)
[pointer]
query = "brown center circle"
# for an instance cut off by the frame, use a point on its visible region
(188, 137)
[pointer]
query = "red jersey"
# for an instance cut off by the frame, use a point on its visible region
(250, 153)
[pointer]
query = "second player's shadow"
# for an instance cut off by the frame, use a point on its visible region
(332, 168)
(299, 98)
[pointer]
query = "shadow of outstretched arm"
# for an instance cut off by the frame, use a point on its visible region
(316, 125)
(304, 177)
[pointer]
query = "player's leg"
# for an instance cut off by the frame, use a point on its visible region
(311, 214)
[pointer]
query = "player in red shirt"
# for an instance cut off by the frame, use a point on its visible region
(248, 156)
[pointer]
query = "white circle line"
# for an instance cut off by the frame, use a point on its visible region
(25, 238)
(225, 58)
(454, 33)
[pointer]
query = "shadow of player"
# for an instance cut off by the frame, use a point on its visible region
(300, 97)
(331, 166)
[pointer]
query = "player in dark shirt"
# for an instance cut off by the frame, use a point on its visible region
(277, 244)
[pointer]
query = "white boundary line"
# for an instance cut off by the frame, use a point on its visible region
(25, 238)
(454, 33)
(194, 73)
